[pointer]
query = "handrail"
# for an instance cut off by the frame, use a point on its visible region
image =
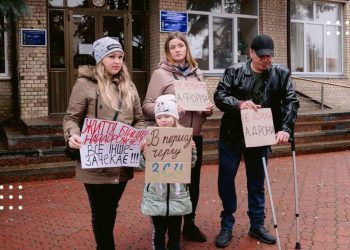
(317, 81)
(322, 86)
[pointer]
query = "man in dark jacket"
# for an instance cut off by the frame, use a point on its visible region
(251, 85)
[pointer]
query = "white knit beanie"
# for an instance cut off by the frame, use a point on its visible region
(166, 105)
(104, 46)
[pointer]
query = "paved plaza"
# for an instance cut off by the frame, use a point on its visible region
(55, 213)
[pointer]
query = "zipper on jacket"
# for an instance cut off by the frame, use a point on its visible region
(167, 199)
(148, 186)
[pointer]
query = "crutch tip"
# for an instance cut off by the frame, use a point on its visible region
(297, 245)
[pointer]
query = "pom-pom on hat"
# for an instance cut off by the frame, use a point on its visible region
(166, 105)
(104, 46)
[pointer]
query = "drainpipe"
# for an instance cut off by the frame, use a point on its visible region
(289, 61)
(14, 71)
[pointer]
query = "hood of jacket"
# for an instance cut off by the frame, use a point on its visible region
(87, 71)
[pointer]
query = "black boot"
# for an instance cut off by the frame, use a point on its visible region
(192, 233)
(262, 234)
(223, 238)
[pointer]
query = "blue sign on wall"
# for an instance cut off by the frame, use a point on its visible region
(171, 21)
(33, 37)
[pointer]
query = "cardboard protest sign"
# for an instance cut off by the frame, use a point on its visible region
(258, 127)
(110, 144)
(168, 155)
(192, 95)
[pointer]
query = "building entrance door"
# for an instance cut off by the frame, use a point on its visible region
(87, 26)
(74, 27)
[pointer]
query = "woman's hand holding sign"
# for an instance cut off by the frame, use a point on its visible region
(75, 142)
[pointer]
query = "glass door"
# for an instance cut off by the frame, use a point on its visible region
(86, 26)
(83, 31)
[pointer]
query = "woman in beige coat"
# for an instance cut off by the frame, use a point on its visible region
(179, 65)
(103, 92)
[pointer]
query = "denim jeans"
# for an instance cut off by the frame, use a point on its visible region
(104, 199)
(229, 160)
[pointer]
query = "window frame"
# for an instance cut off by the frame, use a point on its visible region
(324, 26)
(5, 75)
(234, 18)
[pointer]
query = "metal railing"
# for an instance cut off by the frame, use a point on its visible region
(322, 87)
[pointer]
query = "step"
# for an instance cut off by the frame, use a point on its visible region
(16, 139)
(32, 172)
(211, 157)
(31, 156)
(304, 126)
(322, 136)
(329, 115)
(43, 125)
(310, 148)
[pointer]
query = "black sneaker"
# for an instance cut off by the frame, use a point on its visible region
(262, 234)
(223, 238)
(192, 233)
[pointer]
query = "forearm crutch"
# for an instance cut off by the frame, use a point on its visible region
(297, 244)
(271, 203)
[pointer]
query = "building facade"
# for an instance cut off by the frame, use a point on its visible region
(40, 57)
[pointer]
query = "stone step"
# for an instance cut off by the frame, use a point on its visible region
(31, 156)
(210, 157)
(302, 126)
(32, 172)
(315, 137)
(43, 125)
(16, 139)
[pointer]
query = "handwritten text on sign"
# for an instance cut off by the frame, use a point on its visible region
(258, 127)
(192, 95)
(110, 144)
(168, 155)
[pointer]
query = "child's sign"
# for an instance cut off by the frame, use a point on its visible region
(110, 144)
(168, 155)
(258, 127)
(191, 95)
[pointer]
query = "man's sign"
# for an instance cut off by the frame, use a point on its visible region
(168, 155)
(258, 127)
(110, 144)
(191, 95)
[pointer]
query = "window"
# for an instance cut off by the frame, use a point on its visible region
(220, 31)
(316, 37)
(3, 49)
(56, 28)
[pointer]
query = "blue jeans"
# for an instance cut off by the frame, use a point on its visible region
(229, 159)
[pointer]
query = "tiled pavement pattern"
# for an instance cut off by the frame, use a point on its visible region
(56, 214)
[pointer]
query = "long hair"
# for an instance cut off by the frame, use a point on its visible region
(117, 96)
(189, 58)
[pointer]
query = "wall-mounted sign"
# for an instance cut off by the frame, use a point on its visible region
(33, 37)
(171, 21)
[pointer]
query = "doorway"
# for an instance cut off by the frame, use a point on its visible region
(81, 27)
(85, 27)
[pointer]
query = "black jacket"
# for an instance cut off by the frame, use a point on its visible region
(236, 86)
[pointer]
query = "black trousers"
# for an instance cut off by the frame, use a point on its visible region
(162, 225)
(195, 180)
(104, 199)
